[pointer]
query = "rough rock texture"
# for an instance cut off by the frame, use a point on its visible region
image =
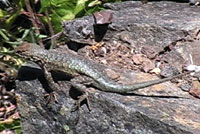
(160, 109)
(157, 24)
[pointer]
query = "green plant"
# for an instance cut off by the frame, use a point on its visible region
(15, 125)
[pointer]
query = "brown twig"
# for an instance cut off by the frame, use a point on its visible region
(53, 41)
(33, 20)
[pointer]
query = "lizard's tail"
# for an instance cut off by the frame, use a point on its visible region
(119, 88)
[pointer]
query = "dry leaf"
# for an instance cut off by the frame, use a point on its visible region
(138, 59)
(156, 71)
(195, 90)
(148, 65)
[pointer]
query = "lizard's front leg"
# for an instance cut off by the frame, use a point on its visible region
(80, 83)
(52, 85)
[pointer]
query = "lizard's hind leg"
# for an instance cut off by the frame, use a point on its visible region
(80, 83)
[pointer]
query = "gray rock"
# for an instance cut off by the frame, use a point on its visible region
(164, 110)
(161, 109)
(156, 24)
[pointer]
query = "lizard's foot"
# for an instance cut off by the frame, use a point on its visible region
(79, 83)
(80, 100)
(50, 97)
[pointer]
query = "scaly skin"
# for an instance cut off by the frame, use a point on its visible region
(72, 64)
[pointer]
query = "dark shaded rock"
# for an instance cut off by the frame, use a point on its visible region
(38, 117)
(194, 2)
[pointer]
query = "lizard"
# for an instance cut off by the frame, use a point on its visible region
(82, 70)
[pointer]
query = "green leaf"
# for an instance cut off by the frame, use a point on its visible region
(18, 131)
(80, 5)
(14, 125)
(4, 35)
(40, 36)
(62, 12)
(68, 16)
(45, 4)
(65, 14)
(94, 3)
(3, 14)
(56, 22)
(61, 2)
(10, 20)
(14, 43)
(26, 32)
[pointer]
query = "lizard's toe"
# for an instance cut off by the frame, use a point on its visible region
(51, 97)
(82, 98)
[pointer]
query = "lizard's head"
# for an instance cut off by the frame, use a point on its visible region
(27, 50)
